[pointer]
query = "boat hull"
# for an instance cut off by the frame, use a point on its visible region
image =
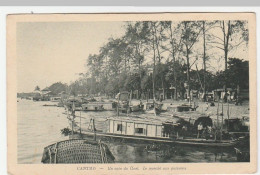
(144, 139)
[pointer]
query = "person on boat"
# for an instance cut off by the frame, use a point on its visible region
(207, 106)
(200, 130)
(141, 104)
(184, 131)
(209, 132)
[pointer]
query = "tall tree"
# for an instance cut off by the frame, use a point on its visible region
(190, 33)
(234, 33)
(156, 38)
(137, 44)
(206, 27)
(174, 43)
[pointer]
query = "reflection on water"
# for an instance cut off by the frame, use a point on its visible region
(39, 126)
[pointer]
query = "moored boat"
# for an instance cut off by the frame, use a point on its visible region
(77, 151)
(140, 130)
(92, 107)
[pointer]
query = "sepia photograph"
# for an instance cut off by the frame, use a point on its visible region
(163, 89)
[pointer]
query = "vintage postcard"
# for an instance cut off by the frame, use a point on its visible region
(152, 93)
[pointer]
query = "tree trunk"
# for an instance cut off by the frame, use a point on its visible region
(154, 59)
(140, 74)
(226, 41)
(188, 72)
(204, 59)
(173, 60)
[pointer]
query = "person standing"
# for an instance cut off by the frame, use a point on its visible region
(200, 128)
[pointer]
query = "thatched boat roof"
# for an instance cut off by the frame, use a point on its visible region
(77, 151)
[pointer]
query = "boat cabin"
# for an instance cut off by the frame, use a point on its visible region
(92, 107)
(136, 127)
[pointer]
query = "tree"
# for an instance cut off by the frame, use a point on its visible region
(206, 27)
(37, 88)
(57, 88)
(238, 73)
(136, 37)
(190, 33)
(173, 36)
(234, 34)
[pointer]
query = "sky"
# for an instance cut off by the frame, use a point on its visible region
(49, 52)
(57, 52)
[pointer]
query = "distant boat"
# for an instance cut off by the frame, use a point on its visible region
(136, 108)
(92, 107)
(50, 105)
(153, 108)
(55, 99)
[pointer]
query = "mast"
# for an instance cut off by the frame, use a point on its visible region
(117, 108)
(228, 117)
(217, 122)
(217, 114)
(72, 120)
(222, 114)
(80, 123)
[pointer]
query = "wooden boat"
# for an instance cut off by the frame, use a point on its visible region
(153, 108)
(77, 151)
(92, 107)
(191, 142)
(140, 130)
(55, 99)
(243, 155)
(136, 108)
(50, 105)
(98, 106)
(123, 102)
(181, 108)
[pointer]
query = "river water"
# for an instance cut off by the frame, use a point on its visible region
(40, 126)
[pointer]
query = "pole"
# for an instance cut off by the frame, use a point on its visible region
(228, 118)
(117, 108)
(221, 121)
(217, 115)
(217, 128)
(72, 120)
(80, 122)
(94, 129)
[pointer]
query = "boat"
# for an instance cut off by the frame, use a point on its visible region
(242, 156)
(123, 102)
(92, 107)
(77, 151)
(153, 108)
(98, 106)
(181, 108)
(55, 99)
(148, 130)
(50, 105)
(60, 104)
(136, 108)
(68, 104)
(243, 150)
